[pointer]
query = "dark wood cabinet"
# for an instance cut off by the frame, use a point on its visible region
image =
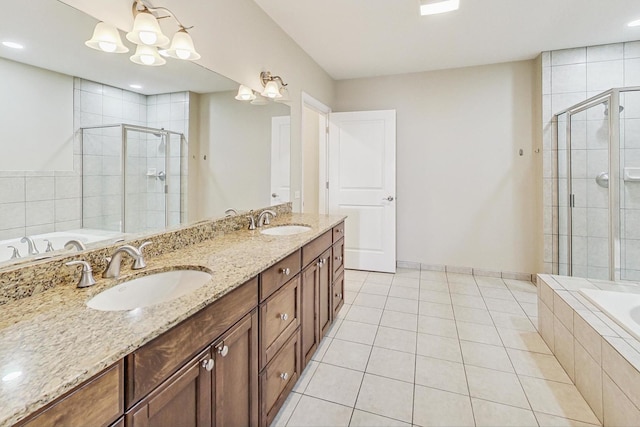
(325, 306)
(183, 400)
(338, 293)
(235, 375)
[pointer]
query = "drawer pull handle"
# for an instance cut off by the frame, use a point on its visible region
(285, 271)
(284, 317)
(339, 258)
(208, 364)
(339, 230)
(322, 262)
(223, 350)
(338, 295)
(284, 376)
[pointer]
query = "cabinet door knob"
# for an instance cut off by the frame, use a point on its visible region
(208, 364)
(285, 271)
(223, 350)
(284, 376)
(284, 317)
(339, 230)
(339, 258)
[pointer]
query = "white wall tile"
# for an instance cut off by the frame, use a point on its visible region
(606, 52)
(632, 72)
(568, 56)
(569, 78)
(40, 188)
(13, 215)
(602, 76)
(12, 190)
(632, 49)
(38, 213)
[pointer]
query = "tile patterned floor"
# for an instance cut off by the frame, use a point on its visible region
(435, 349)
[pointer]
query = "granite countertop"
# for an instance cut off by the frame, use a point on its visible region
(57, 342)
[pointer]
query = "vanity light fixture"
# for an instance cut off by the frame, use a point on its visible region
(12, 45)
(635, 23)
(147, 35)
(431, 7)
(245, 93)
(271, 86)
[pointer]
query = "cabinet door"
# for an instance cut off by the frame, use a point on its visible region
(235, 382)
(309, 296)
(183, 400)
(338, 256)
(325, 306)
(338, 293)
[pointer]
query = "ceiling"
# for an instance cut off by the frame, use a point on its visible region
(363, 38)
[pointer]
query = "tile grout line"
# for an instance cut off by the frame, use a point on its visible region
(464, 366)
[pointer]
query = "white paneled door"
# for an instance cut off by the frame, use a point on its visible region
(362, 185)
(280, 159)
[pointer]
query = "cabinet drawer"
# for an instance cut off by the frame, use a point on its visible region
(312, 250)
(338, 256)
(338, 293)
(278, 378)
(277, 275)
(154, 362)
(279, 318)
(338, 232)
(99, 402)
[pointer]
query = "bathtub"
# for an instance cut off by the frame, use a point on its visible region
(57, 239)
(622, 307)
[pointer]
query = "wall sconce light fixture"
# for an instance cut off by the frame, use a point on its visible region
(274, 89)
(271, 86)
(147, 35)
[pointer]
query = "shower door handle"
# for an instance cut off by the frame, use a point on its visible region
(603, 179)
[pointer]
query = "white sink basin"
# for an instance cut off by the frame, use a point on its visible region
(149, 290)
(285, 230)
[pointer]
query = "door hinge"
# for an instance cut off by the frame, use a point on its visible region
(166, 189)
(572, 200)
(327, 185)
(326, 129)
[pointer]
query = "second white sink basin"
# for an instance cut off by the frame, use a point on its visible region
(285, 230)
(149, 290)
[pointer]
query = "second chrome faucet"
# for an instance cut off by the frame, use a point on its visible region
(113, 268)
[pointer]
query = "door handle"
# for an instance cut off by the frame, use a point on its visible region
(274, 195)
(388, 199)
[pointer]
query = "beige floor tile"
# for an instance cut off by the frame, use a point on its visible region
(315, 412)
(444, 311)
(504, 306)
(304, 379)
(375, 288)
(439, 347)
(496, 386)
(356, 275)
(512, 321)
(366, 419)
(546, 420)
(406, 282)
(322, 349)
(522, 340)
(403, 292)
(490, 282)
(472, 315)
(437, 326)
(558, 399)
(350, 297)
(333, 329)
(392, 364)
(491, 414)
(478, 333)
(395, 319)
(525, 296)
(427, 285)
(351, 286)
(439, 408)
(362, 333)
(286, 411)
(435, 296)
(520, 285)
(530, 309)
(386, 397)
(468, 301)
(497, 293)
(439, 276)
(441, 374)
(335, 384)
(412, 273)
(370, 300)
(402, 305)
(347, 354)
(537, 365)
(461, 278)
(343, 311)
(464, 289)
(381, 278)
(485, 356)
(364, 314)
(396, 339)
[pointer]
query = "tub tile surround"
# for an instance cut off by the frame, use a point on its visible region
(601, 358)
(435, 348)
(52, 323)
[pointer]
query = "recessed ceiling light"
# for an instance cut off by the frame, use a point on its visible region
(135, 86)
(635, 23)
(435, 7)
(13, 45)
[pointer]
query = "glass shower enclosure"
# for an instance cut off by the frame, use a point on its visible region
(598, 186)
(133, 178)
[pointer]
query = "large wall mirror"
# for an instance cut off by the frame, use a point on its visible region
(94, 147)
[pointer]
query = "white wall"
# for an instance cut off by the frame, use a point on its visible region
(465, 197)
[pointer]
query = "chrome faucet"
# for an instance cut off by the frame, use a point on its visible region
(231, 212)
(32, 249)
(113, 268)
(77, 244)
(252, 222)
(15, 254)
(263, 218)
(49, 246)
(86, 279)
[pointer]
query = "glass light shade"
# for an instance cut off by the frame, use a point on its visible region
(147, 55)
(146, 31)
(245, 94)
(107, 39)
(182, 47)
(260, 100)
(285, 96)
(271, 90)
(430, 7)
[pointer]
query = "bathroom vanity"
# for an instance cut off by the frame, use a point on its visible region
(227, 354)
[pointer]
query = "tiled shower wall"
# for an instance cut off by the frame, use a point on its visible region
(569, 77)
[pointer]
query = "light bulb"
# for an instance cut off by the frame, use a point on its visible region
(183, 54)
(148, 37)
(147, 59)
(107, 46)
